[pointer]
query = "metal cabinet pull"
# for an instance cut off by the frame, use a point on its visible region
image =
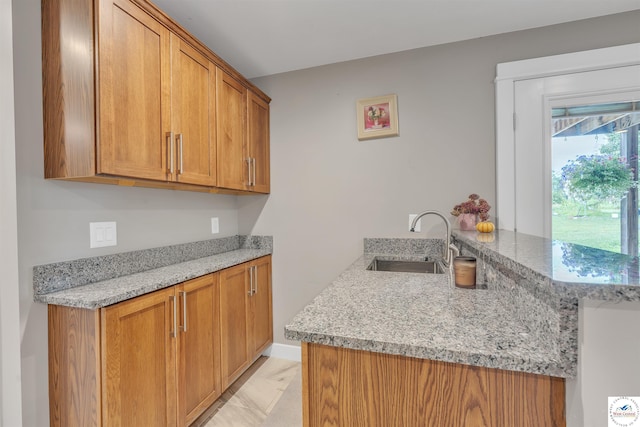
(170, 150)
(250, 293)
(255, 275)
(248, 171)
(253, 163)
(175, 316)
(184, 311)
(181, 163)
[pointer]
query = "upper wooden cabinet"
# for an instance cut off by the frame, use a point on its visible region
(243, 137)
(193, 98)
(134, 92)
(231, 103)
(258, 143)
(131, 98)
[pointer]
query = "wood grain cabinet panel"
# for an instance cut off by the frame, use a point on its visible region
(134, 89)
(151, 360)
(233, 167)
(260, 307)
(344, 387)
(193, 115)
(138, 369)
(258, 143)
(74, 366)
(199, 382)
(131, 98)
(245, 316)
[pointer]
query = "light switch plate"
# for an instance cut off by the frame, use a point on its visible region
(411, 218)
(215, 226)
(102, 234)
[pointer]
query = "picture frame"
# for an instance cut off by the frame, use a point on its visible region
(377, 117)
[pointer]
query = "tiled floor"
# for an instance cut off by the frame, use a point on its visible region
(249, 400)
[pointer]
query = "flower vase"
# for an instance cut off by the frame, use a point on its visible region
(467, 221)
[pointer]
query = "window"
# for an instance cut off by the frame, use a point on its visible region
(594, 162)
(526, 93)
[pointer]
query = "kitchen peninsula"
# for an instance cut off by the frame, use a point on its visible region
(411, 349)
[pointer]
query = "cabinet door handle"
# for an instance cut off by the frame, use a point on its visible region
(255, 279)
(249, 171)
(253, 163)
(180, 162)
(170, 150)
(184, 311)
(175, 317)
(250, 281)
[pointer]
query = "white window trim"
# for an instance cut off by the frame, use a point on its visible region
(506, 75)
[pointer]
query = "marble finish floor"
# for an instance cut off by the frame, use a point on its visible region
(250, 400)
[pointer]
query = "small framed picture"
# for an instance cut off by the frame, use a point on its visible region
(377, 117)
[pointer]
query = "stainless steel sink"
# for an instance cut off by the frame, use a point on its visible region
(399, 266)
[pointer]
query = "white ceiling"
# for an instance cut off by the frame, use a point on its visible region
(264, 37)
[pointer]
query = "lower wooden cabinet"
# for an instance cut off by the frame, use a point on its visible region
(345, 387)
(139, 361)
(245, 316)
(155, 359)
(198, 352)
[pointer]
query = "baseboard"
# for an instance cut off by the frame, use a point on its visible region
(284, 351)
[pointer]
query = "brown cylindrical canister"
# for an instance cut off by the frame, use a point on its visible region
(464, 270)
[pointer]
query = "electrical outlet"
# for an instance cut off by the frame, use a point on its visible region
(215, 226)
(411, 218)
(102, 234)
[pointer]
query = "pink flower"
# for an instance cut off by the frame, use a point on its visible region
(475, 205)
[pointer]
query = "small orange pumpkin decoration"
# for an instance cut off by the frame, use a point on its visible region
(485, 227)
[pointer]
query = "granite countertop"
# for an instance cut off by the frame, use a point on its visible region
(423, 316)
(570, 270)
(101, 281)
(525, 318)
(419, 315)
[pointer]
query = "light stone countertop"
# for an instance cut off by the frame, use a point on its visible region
(524, 317)
(423, 316)
(101, 281)
(567, 269)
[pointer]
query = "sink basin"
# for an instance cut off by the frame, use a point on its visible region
(399, 266)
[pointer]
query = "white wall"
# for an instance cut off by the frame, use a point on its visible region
(10, 387)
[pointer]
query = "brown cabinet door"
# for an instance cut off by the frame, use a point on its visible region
(231, 107)
(198, 346)
(234, 305)
(258, 136)
(261, 308)
(138, 362)
(193, 80)
(133, 92)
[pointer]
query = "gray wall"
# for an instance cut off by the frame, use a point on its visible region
(53, 216)
(329, 190)
(10, 386)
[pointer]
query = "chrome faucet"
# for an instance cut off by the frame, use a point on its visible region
(448, 246)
